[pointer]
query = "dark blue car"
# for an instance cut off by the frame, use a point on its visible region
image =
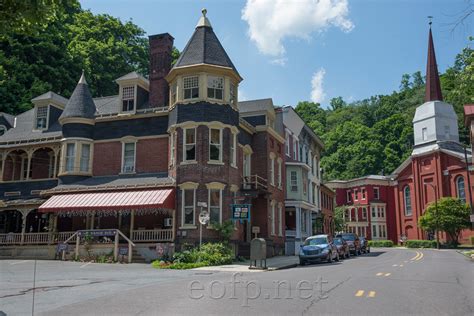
(317, 249)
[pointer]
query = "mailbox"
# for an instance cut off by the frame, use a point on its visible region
(258, 251)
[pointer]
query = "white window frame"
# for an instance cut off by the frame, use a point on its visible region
(272, 170)
(172, 148)
(294, 181)
(377, 195)
(185, 144)
(363, 194)
(232, 93)
(295, 149)
(374, 231)
(71, 158)
(233, 151)
(24, 175)
(220, 203)
(184, 207)
(45, 117)
(280, 220)
(128, 97)
(133, 169)
(460, 196)
(356, 195)
(191, 83)
(85, 161)
(173, 93)
(272, 218)
(349, 196)
(219, 146)
(213, 87)
(279, 161)
(408, 207)
(424, 133)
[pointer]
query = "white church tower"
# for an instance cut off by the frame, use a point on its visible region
(435, 121)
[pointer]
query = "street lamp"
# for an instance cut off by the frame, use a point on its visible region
(436, 211)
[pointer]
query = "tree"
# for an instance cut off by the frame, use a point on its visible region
(405, 83)
(451, 216)
(337, 103)
(339, 222)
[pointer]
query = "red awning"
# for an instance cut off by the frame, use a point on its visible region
(111, 201)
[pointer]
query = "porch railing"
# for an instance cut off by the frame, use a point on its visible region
(34, 238)
(152, 235)
(254, 182)
(10, 239)
(37, 238)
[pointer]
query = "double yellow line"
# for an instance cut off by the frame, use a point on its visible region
(419, 256)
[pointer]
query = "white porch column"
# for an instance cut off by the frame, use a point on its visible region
(30, 156)
(24, 214)
(132, 223)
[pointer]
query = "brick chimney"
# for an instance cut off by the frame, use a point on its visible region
(161, 46)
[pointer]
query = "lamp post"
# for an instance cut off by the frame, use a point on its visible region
(436, 211)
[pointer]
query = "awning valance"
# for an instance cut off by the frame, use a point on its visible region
(110, 201)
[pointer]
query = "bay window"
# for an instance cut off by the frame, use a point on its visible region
(215, 197)
(70, 157)
(188, 201)
(233, 150)
(85, 157)
(215, 87)
(189, 144)
(294, 181)
(191, 87)
(215, 144)
(173, 93)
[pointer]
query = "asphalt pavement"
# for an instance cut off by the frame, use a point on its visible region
(384, 282)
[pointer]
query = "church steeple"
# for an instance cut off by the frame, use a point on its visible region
(433, 87)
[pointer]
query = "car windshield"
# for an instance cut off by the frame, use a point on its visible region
(348, 237)
(338, 241)
(316, 241)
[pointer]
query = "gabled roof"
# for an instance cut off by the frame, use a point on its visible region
(50, 96)
(81, 104)
(9, 118)
(204, 48)
(133, 76)
(255, 105)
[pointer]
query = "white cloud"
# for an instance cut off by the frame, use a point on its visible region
(271, 21)
(317, 91)
(279, 61)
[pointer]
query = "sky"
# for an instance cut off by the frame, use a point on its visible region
(311, 50)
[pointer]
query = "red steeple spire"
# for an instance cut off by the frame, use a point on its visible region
(433, 87)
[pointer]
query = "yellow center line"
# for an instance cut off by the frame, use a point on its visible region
(421, 256)
(415, 257)
(387, 274)
(371, 294)
(359, 293)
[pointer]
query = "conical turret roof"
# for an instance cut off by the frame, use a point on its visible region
(80, 104)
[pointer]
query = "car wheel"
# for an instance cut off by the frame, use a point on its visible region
(302, 262)
(330, 257)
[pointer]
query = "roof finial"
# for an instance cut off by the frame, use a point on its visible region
(431, 20)
(203, 20)
(83, 78)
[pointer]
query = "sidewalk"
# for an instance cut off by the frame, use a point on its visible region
(274, 263)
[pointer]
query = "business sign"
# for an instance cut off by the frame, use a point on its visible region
(241, 212)
(98, 233)
(61, 247)
(123, 251)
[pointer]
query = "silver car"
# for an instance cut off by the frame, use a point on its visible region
(317, 249)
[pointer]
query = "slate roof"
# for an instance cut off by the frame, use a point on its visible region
(50, 95)
(107, 105)
(80, 104)
(116, 182)
(8, 117)
(204, 48)
(256, 105)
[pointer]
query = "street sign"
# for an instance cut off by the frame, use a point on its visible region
(204, 217)
(61, 247)
(241, 211)
(123, 251)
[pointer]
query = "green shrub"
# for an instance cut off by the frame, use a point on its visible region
(471, 238)
(420, 243)
(216, 254)
(380, 243)
(184, 266)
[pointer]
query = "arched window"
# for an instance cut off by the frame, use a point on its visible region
(460, 191)
(407, 198)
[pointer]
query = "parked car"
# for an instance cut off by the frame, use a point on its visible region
(342, 247)
(364, 245)
(353, 242)
(318, 248)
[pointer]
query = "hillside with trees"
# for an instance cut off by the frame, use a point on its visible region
(375, 135)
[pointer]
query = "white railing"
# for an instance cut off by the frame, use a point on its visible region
(62, 236)
(10, 239)
(152, 235)
(37, 238)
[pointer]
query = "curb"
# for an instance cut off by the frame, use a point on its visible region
(288, 266)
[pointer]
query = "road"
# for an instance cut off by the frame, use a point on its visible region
(385, 282)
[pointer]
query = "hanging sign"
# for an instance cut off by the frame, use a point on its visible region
(241, 211)
(97, 233)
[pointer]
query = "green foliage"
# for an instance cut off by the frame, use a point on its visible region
(375, 135)
(471, 240)
(339, 223)
(380, 243)
(414, 243)
(225, 230)
(450, 216)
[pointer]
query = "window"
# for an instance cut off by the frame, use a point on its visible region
(85, 157)
(356, 195)
(363, 194)
(460, 190)
(233, 150)
(172, 148)
(407, 200)
(376, 193)
(191, 87)
(382, 212)
(279, 172)
(189, 196)
(24, 168)
(379, 211)
(232, 93)
(128, 99)
(374, 231)
(280, 220)
(364, 213)
(173, 93)
(287, 144)
(189, 144)
(70, 157)
(272, 218)
(272, 170)
(41, 117)
(348, 195)
(374, 214)
(294, 181)
(215, 87)
(128, 164)
(215, 205)
(3, 129)
(215, 146)
(295, 149)
(424, 133)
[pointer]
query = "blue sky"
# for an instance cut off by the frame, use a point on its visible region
(359, 48)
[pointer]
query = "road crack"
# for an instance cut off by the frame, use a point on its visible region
(325, 293)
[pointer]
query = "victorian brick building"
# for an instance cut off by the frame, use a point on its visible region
(148, 160)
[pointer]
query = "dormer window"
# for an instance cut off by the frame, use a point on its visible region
(41, 117)
(128, 99)
(191, 87)
(215, 87)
